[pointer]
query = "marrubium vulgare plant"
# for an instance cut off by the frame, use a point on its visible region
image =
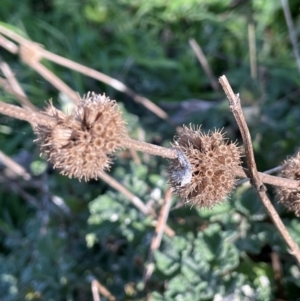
(202, 166)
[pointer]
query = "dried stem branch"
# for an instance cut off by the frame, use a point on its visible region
(116, 84)
(8, 45)
(159, 230)
(12, 86)
(97, 286)
(150, 148)
(39, 118)
(235, 106)
(252, 48)
(54, 80)
(268, 179)
(16, 168)
(291, 29)
(204, 63)
(26, 115)
(137, 202)
(23, 100)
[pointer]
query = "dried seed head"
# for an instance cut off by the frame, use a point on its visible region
(203, 174)
(290, 198)
(80, 144)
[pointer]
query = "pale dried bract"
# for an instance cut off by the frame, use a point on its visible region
(290, 198)
(210, 168)
(81, 144)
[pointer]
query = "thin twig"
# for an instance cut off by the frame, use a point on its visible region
(252, 48)
(205, 65)
(12, 86)
(23, 100)
(137, 202)
(152, 149)
(102, 290)
(8, 45)
(268, 179)
(42, 119)
(235, 106)
(159, 230)
(116, 84)
(277, 271)
(26, 115)
(135, 156)
(16, 168)
(55, 80)
(15, 186)
(95, 292)
(269, 172)
(291, 29)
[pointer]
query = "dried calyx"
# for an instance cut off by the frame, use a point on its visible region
(290, 198)
(81, 144)
(203, 175)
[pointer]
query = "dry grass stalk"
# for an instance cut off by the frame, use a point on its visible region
(16, 168)
(137, 202)
(157, 238)
(38, 53)
(235, 106)
(205, 65)
(12, 86)
(97, 287)
(19, 113)
(292, 31)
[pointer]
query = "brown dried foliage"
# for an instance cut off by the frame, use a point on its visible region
(212, 162)
(80, 144)
(290, 198)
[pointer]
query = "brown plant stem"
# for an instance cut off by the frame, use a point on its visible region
(292, 31)
(97, 287)
(204, 63)
(149, 148)
(116, 84)
(15, 168)
(157, 238)
(22, 99)
(54, 80)
(137, 202)
(8, 45)
(235, 106)
(12, 86)
(23, 114)
(39, 118)
(268, 179)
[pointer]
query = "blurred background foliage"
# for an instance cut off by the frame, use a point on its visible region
(57, 234)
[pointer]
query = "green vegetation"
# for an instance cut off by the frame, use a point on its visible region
(58, 234)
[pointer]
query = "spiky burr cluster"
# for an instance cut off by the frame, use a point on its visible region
(80, 144)
(290, 198)
(204, 174)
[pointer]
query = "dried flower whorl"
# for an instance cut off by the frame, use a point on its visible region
(290, 198)
(80, 144)
(203, 175)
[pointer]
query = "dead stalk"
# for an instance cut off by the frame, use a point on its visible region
(235, 106)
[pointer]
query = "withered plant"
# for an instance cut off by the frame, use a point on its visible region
(202, 169)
